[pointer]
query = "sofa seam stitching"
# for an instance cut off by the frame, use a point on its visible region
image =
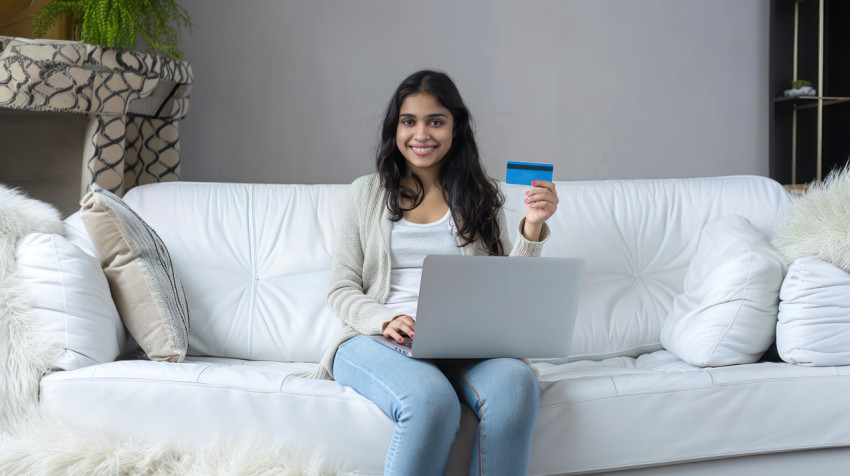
(253, 258)
(200, 384)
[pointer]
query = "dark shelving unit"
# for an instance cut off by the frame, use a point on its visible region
(809, 135)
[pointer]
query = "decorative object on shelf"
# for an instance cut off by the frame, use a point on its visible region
(800, 88)
(119, 23)
(134, 101)
(797, 190)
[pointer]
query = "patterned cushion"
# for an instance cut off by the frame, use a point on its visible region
(146, 290)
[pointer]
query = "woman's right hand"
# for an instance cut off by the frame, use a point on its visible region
(399, 327)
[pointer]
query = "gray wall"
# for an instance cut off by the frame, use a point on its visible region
(42, 154)
(292, 91)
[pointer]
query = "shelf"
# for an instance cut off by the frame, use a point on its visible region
(796, 190)
(808, 133)
(827, 101)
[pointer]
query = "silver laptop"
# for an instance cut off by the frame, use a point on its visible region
(494, 306)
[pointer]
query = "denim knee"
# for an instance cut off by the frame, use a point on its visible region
(432, 399)
(520, 392)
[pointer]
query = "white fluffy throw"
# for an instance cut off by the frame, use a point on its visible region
(818, 223)
(19, 216)
(24, 356)
(50, 447)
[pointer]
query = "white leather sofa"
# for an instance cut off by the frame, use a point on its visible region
(254, 262)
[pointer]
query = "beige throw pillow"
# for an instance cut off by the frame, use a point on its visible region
(144, 285)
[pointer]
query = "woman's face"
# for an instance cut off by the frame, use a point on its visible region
(424, 132)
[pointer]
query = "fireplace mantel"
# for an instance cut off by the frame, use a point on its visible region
(133, 103)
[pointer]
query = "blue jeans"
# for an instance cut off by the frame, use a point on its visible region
(423, 398)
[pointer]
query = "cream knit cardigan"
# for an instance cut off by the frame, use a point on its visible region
(360, 264)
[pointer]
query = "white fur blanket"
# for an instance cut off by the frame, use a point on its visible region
(33, 444)
(818, 223)
(51, 447)
(24, 357)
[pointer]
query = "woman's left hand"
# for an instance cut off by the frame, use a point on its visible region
(541, 202)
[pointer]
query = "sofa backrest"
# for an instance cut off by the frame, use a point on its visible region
(254, 259)
(638, 237)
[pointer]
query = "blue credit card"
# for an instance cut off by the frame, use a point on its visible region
(522, 173)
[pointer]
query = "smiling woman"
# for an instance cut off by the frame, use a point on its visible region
(425, 131)
(431, 196)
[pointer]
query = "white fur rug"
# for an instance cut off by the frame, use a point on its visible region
(818, 223)
(34, 445)
(51, 447)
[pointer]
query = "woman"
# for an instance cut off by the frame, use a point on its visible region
(430, 196)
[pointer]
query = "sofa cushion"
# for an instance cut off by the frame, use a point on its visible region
(594, 416)
(625, 413)
(212, 399)
(145, 287)
(70, 301)
(814, 314)
(727, 312)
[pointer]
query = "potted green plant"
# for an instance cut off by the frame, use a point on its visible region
(801, 87)
(119, 23)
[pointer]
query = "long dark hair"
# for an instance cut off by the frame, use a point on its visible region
(473, 198)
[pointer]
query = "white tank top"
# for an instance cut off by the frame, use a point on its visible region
(409, 244)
